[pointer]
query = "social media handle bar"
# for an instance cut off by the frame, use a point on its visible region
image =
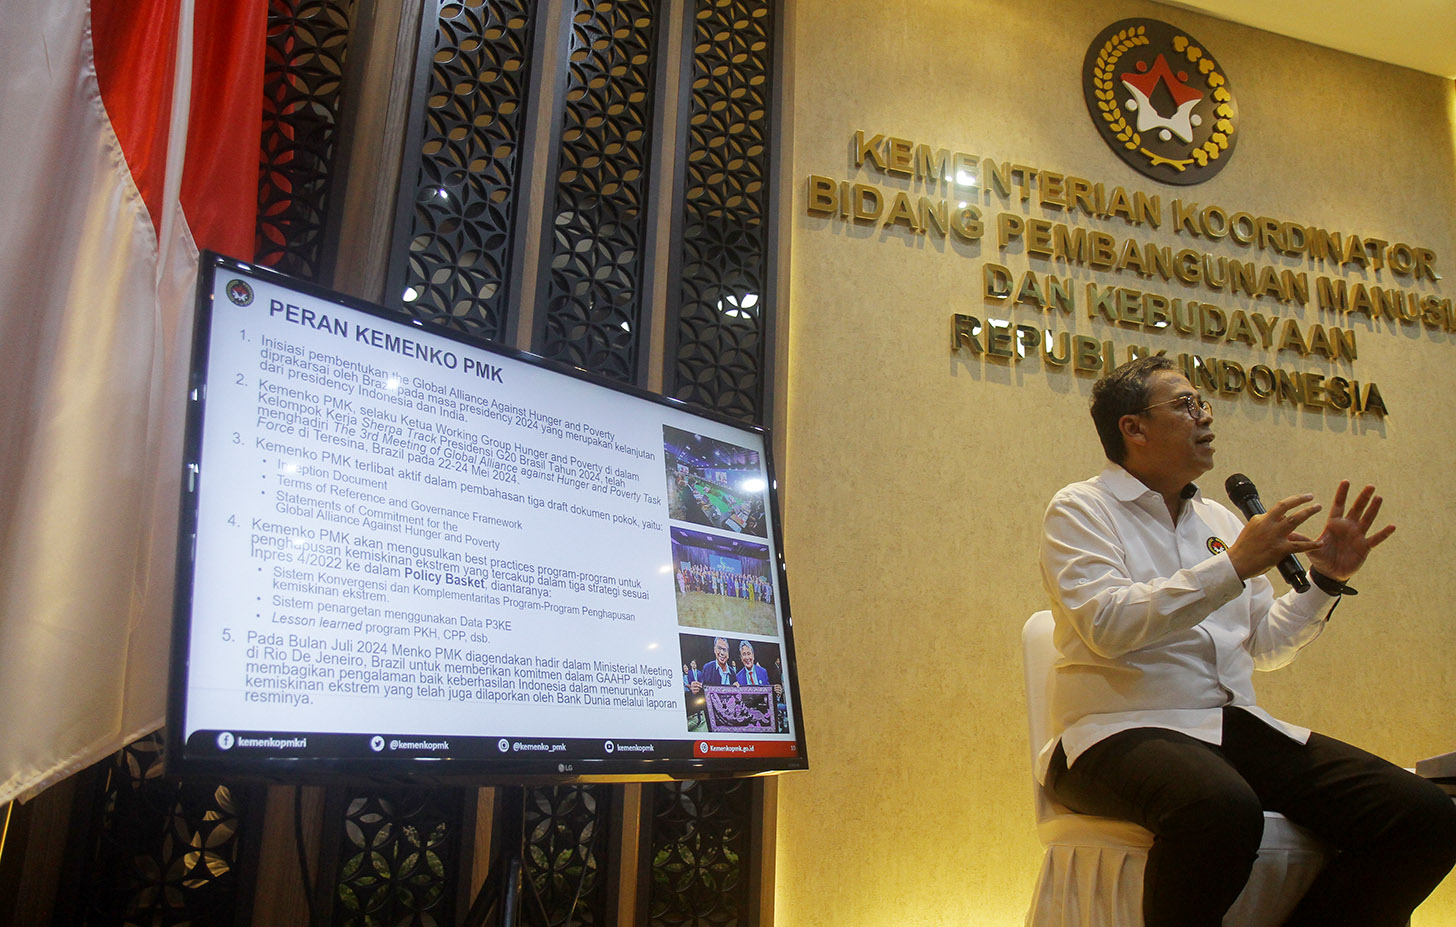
(439, 746)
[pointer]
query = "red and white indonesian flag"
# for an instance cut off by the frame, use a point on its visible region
(129, 137)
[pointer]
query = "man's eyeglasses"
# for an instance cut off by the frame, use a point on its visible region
(1197, 406)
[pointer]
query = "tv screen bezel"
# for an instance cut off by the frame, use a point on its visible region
(528, 769)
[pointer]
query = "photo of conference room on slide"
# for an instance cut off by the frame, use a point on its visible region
(722, 582)
(733, 685)
(714, 483)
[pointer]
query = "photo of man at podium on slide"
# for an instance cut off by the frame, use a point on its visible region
(1162, 614)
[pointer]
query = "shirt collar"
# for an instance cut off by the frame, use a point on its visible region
(1125, 487)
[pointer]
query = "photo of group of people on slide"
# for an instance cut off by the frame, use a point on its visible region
(722, 582)
(733, 679)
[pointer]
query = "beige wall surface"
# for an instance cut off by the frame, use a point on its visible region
(915, 478)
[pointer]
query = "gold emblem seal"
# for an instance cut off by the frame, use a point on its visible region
(1160, 101)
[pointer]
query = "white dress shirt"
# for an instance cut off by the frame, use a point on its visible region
(1153, 626)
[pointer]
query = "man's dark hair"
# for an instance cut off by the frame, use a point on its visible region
(1123, 392)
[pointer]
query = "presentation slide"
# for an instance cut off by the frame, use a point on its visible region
(408, 545)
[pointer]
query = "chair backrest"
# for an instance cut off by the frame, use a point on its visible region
(1038, 655)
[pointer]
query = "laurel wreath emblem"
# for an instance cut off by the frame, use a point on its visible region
(1104, 82)
(1157, 153)
(1106, 88)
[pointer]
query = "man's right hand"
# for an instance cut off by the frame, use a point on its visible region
(1271, 537)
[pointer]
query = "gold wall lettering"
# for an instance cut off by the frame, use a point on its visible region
(1003, 340)
(944, 194)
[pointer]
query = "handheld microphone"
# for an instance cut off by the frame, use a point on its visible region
(1241, 492)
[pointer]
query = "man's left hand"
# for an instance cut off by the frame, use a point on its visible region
(1346, 540)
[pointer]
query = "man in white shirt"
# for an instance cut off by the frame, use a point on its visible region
(1162, 615)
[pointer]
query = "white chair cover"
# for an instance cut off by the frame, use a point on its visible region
(1092, 873)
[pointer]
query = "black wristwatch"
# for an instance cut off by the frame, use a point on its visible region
(1330, 586)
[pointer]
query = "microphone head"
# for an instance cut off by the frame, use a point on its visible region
(1240, 488)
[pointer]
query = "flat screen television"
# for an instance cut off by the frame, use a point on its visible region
(410, 554)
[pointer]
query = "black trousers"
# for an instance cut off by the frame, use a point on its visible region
(1395, 833)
